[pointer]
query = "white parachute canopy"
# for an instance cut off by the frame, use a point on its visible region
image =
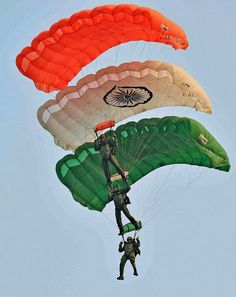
(117, 93)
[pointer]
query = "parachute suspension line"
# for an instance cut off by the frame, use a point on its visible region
(137, 192)
(144, 46)
(88, 132)
(100, 61)
(161, 194)
(140, 150)
(170, 200)
(199, 176)
(116, 55)
(120, 110)
(108, 218)
(151, 46)
(182, 190)
(102, 90)
(136, 233)
(172, 167)
(155, 134)
(190, 174)
(50, 95)
(168, 186)
(131, 53)
(98, 98)
(155, 199)
(154, 188)
(152, 199)
(138, 200)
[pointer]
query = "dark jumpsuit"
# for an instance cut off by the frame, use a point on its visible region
(107, 151)
(120, 206)
(130, 251)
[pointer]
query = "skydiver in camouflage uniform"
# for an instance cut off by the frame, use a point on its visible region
(106, 147)
(121, 200)
(130, 249)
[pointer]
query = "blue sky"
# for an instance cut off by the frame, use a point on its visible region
(50, 246)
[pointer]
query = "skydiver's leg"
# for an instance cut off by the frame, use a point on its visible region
(119, 221)
(122, 266)
(128, 215)
(132, 261)
(105, 167)
(116, 164)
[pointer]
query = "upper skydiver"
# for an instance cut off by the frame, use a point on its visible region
(106, 147)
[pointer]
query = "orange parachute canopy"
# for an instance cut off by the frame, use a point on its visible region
(56, 56)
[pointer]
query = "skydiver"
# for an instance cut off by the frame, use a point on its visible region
(106, 147)
(121, 200)
(131, 250)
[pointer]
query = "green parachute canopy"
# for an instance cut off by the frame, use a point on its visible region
(142, 147)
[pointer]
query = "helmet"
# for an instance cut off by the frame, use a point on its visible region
(129, 238)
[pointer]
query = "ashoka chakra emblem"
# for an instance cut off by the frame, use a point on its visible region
(127, 96)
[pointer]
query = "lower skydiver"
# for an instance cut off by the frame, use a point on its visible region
(131, 250)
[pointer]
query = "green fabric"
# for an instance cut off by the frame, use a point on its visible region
(142, 147)
(130, 227)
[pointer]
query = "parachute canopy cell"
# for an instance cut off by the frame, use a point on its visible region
(142, 147)
(57, 55)
(118, 93)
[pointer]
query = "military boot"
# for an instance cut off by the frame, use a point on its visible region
(121, 231)
(136, 226)
(135, 272)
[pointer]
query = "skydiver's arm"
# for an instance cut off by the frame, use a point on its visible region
(112, 145)
(113, 140)
(121, 247)
(127, 200)
(137, 242)
(97, 145)
(126, 190)
(110, 197)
